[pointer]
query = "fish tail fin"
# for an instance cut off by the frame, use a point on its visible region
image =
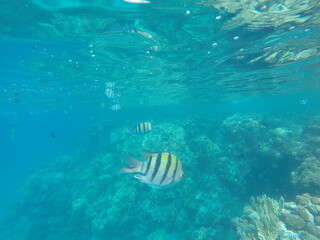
(134, 165)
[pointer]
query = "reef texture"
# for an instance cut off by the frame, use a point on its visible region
(267, 219)
(308, 173)
(83, 197)
(225, 158)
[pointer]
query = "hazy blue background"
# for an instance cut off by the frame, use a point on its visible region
(165, 60)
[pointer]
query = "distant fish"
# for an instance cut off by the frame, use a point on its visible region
(157, 170)
(303, 101)
(111, 95)
(142, 128)
(53, 135)
(115, 107)
(13, 135)
(14, 99)
(110, 84)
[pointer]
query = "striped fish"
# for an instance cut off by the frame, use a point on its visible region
(115, 107)
(157, 170)
(111, 95)
(142, 128)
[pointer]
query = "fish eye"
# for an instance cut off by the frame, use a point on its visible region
(182, 174)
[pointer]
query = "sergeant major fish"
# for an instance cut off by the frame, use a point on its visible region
(115, 107)
(157, 170)
(142, 128)
(111, 95)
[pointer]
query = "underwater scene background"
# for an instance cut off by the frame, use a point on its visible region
(231, 88)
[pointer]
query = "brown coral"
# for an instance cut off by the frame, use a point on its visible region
(293, 221)
(265, 219)
(308, 174)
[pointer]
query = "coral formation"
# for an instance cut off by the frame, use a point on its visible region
(307, 174)
(89, 193)
(225, 160)
(268, 219)
(260, 220)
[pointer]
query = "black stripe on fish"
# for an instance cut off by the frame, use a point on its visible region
(175, 170)
(143, 127)
(148, 165)
(156, 168)
(167, 169)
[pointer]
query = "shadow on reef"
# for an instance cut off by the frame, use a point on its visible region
(225, 160)
(271, 178)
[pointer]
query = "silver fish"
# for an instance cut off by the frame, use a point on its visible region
(142, 128)
(111, 95)
(157, 170)
(115, 107)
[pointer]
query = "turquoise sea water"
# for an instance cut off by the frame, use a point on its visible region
(231, 87)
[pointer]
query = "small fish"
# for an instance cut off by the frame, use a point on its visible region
(115, 107)
(13, 135)
(53, 135)
(142, 128)
(154, 48)
(303, 101)
(111, 95)
(157, 170)
(110, 84)
(14, 99)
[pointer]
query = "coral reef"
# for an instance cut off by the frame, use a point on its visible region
(281, 146)
(307, 174)
(225, 158)
(260, 220)
(268, 219)
(87, 194)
